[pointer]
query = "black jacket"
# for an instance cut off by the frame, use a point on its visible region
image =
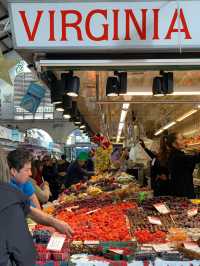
(181, 167)
(16, 243)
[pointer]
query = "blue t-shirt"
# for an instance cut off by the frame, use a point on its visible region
(26, 188)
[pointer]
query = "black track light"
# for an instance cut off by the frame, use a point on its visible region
(163, 85)
(67, 102)
(71, 84)
(66, 114)
(59, 107)
(117, 85)
(112, 86)
(57, 92)
(158, 86)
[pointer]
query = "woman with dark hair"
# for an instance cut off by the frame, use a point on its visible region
(181, 167)
(159, 170)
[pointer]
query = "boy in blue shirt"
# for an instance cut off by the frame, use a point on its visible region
(19, 162)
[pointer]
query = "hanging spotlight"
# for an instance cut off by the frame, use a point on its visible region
(122, 79)
(59, 107)
(57, 91)
(67, 102)
(71, 83)
(168, 82)
(112, 86)
(157, 88)
(164, 84)
(82, 126)
(66, 114)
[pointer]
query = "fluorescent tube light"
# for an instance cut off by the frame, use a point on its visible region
(181, 118)
(169, 125)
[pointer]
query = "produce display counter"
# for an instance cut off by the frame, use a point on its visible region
(112, 228)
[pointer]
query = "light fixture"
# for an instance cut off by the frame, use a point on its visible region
(59, 107)
(77, 123)
(187, 115)
(163, 85)
(112, 86)
(117, 85)
(67, 102)
(66, 115)
(122, 77)
(158, 132)
(57, 92)
(169, 125)
(123, 116)
(157, 88)
(82, 126)
(71, 83)
(125, 106)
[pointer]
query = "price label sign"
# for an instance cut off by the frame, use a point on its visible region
(162, 208)
(154, 220)
(117, 251)
(192, 246)
(56, 242)
(91, 242)
(192, 212)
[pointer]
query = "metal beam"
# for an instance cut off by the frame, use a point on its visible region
(150, 101)
(113, 64)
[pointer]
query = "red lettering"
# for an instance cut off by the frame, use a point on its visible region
(74, 25)
(51, 26)
(31, 35)
(140, 30)
(104, 36)
(155, 28)
(116, 26)
(184, 28)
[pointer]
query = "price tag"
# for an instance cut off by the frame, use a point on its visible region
(154, 220)
(70, 209)
(56, 242)
(117, 251)
(192, 212)
(162, 208)
(192, 246)
(90, 212)
(91, 242)
(162, 247)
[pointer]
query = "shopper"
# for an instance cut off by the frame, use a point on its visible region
(62, 167)
(42, 191)
(50, 174)
(16, 244)
(181, 167)
(19, 162)
(159, 168)
(90, 162)
(161, 171)
(76, 172)
(37, 168)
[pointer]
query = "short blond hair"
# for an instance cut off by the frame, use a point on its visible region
(4, 169)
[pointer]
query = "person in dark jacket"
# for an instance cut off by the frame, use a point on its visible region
(181, 167)
(76, 171)
(16, 243)
(159, 168)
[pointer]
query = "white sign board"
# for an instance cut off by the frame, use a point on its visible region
(150, 25)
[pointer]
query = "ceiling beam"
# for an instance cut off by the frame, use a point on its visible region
(150, 101)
